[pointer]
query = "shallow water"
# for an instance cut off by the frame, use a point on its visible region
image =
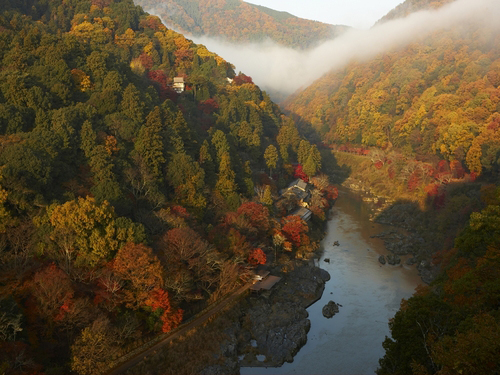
(370, 294)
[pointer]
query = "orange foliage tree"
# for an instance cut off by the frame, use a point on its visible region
(256, 257)
(141, 270)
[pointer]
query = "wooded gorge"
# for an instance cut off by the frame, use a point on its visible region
(141, 177)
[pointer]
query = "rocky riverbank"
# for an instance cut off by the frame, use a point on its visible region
(409, 242)
(272, 325)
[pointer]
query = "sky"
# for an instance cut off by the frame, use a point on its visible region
(360, 14)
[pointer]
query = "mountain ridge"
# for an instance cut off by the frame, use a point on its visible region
(238, 21)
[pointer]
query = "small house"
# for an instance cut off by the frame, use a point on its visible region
(297, 188)
(179, 86)
(264, 281)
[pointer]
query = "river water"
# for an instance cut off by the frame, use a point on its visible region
(370, 294)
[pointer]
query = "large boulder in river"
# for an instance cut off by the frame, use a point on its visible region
(393, 260)
(330, 309)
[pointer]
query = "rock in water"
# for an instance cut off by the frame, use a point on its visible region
(381, 259)
(393, 260)
(330, 309)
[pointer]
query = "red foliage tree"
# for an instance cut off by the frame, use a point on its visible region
(299, 173)
(379, 164)
(183, 244)
(294, 229)
(256, 214)
(256, 257)
(241, 79)
(180, 212)
(53, 291)
(171, 318)
(332, 192)
(208, 106)
(151, 22)
(146, 61)
(429, 170)
(159, 79)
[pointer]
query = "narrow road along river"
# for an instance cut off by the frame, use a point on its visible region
(370, 294)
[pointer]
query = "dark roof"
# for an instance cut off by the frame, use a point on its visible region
(266, 284)
(304, 213)
(298, 183)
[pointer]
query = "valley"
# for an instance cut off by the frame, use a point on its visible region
(145, 177)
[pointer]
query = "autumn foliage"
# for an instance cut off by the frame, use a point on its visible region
(170, 318)
(256, 257)
(299, 173)
(295, 229)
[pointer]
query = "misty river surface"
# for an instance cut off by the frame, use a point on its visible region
(370, 294)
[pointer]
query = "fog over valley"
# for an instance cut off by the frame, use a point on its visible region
(284, 70)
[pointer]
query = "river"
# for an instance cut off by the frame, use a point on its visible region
(370, 295)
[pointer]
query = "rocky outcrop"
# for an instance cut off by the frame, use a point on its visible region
(277, 320)
(304, 284)
(330, 309)
(279, 329)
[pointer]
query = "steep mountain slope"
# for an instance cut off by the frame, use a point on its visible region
(238, 21)
(438, 96)
(130, 158)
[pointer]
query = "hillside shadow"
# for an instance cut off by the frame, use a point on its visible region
(430, 229)
(337, 173)
(330, 165)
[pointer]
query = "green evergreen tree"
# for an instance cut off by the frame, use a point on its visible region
(271, 158)
(303, 152)
(150, 144)
(132, 105)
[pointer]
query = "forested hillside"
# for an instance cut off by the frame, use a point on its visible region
(127, 200)
(238, 21)
(437, 96)
(453, 325)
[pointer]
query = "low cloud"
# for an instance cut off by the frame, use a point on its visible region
(280, 69)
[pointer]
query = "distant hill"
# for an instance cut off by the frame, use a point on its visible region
(437, 96)
(411, 6)
(238, 21)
